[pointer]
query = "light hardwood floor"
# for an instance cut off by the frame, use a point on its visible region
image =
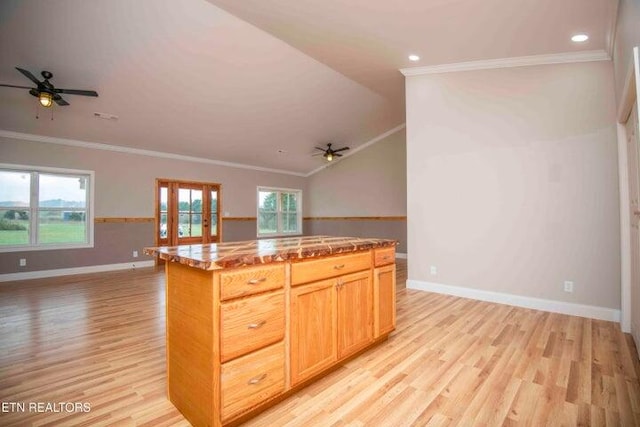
(99, 339)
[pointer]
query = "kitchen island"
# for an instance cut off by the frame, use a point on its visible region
(248, 323)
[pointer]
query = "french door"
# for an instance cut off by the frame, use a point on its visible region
(187, 212)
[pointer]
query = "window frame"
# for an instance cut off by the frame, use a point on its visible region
(35, 209)
(279, 212)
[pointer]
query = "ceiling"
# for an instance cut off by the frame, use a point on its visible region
(258, 82)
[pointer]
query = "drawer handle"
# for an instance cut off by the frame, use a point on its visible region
(386, 257)
(256, 281)
(256, 380)
(256, 325)
(339, 267)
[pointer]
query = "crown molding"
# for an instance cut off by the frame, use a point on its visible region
(137, 151)
(517, 61)
(359, 147)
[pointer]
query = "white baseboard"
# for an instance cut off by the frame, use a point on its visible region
(401, 255)
(593, 312)
(40, 274)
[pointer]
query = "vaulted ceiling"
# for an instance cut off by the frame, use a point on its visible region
(258, 82)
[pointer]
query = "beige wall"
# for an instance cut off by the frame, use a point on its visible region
(125, 182)
(626, 38)
(124, 187)
(512, 181)
(371, 182)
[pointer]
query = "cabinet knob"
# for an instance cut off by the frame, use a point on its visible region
(339, 267)
(256, 380)
(256, 281)
(256, 325)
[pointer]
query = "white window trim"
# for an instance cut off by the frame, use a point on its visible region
(90, 208)
(278, 212)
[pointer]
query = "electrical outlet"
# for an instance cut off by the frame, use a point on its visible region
(135, 254)
(23, 262)
(433, 270)
(568, 286)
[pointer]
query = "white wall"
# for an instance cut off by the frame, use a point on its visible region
(512, 181)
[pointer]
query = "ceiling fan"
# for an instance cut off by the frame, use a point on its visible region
(329, 153)
(46, 92)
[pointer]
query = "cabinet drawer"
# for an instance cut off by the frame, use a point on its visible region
(251, 280)
(383, 256)
(309, 271)
(252, 379)
(251, 323)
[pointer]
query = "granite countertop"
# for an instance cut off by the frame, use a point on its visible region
(216, 256)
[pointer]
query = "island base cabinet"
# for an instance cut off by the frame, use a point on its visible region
(240, 339)
(313, 329)
(355, 314)
(250, 380)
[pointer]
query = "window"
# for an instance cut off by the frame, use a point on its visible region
(279, 212)
(45, 208)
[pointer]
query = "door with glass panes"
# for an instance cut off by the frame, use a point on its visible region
(187, 212)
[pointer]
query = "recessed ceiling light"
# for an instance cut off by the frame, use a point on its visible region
(579, 38)
(414, 58)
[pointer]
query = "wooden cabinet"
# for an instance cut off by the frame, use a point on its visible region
(240, 338)
(323, 268)
(251, 379)
(355, 314)
(384, 291)
(251, 280)
(384, 300)
(251, 323)
(313, 329)
(384, 256)
(330, 320)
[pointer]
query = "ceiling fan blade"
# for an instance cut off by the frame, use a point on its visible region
(337, 154)
(58, 100)
(318, 154)
(30, 76)
(321, 149)
(341, 149)
(76, 92)
(20, 87)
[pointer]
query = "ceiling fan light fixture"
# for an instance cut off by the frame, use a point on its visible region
(46, 100)
(329, 157)
(414, 58)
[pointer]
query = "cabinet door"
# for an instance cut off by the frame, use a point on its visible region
(384, 300)
(355, 312)
(313, 329)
